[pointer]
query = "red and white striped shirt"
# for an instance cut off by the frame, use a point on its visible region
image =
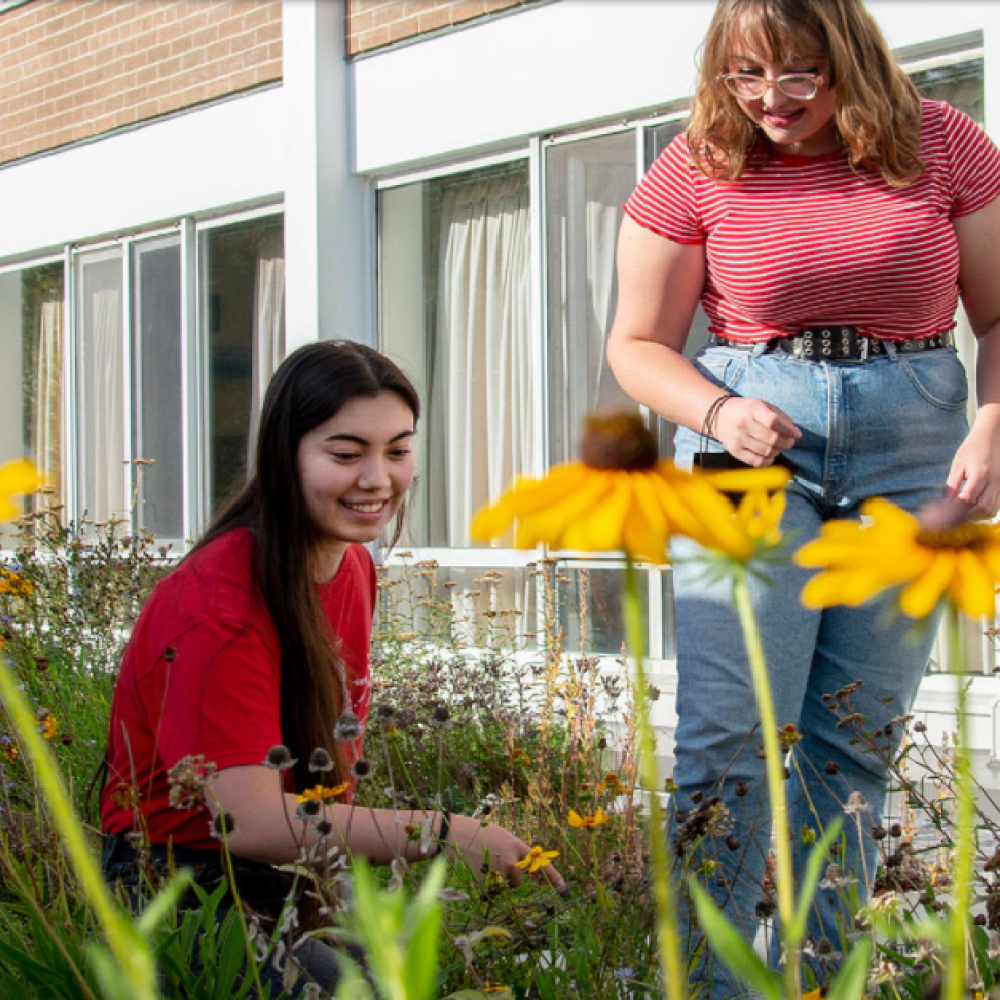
(806, 241)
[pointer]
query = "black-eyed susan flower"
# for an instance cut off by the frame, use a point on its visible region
(611, 783)
(579, 822)
(892, 549)
(48, 725)
(321, 793)
(520, 757)
(16, 479)
(15, 584)
(620, 497)
(536, 859)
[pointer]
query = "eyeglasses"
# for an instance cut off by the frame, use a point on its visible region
(748, 86)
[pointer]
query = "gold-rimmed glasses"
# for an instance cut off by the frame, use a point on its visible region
(750, 87)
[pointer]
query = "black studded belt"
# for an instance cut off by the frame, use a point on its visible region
(839, 343)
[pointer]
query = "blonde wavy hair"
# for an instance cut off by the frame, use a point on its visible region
(877, 106)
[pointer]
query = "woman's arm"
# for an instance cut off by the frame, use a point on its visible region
(659, 285)
(266, 829)
(975, 472)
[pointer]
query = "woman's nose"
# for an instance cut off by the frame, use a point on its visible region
(374, 473)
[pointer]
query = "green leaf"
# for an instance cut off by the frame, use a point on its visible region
(233, 955)
(163, 902)
(849, 983)
(814, 866)
(729, 944)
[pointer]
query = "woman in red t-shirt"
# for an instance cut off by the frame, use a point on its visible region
(252, 655)
(826, 219)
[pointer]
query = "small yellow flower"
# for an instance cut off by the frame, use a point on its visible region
(520, 757)
(619, 497)
(611, 783)
(859, 560)
(587, 822)
(16, 479)
(536, 859)
(495, 988)
(322, 794)
(10, 751)
(15, 584)
(47, 726)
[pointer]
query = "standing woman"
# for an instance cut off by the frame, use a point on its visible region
(827, 219)
(260, 639)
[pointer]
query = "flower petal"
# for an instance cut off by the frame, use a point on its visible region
(919, 598)
(972, 588)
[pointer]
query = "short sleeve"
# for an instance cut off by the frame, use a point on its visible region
(221, 697)
(974, 160)
(665, 200)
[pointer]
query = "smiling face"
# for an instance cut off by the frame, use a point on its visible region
(354, 471)
(803, 127)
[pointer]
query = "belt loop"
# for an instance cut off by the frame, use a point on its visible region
(890, 350)
(760, 348)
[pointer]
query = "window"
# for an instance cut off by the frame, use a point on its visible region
(243, 318)
(455, 313)
(157, 407)
(31, 377)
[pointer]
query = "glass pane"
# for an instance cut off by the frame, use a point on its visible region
(960, 84)
(658, 137)
(454, 312)
(100, 384)
(158, 417)
(243, 321)
(458, 608)
(587, 182)
(589, 603)
(31, 344)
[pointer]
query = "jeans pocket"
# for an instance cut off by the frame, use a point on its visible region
(939, 377)
(723, 366)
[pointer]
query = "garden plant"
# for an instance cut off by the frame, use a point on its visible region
(481, 707)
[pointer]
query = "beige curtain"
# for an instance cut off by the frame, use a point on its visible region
(46, 425)
(268, 325)
(483, 375)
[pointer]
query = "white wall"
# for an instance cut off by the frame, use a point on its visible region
(226, 154)
(574, 61)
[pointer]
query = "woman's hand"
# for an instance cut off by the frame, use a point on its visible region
(473, 841)
(974, 479)
(754, 431)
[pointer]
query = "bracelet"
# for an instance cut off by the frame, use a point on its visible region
(443, 829)
(712, 416)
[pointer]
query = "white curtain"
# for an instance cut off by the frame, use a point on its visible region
(268, 325)
(102, 377)
(46, 425)
(483, 374)
(603, 219)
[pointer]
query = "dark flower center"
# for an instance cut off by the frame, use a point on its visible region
(965, 536)
(618, 441)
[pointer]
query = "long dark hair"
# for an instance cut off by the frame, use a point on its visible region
(309, 387)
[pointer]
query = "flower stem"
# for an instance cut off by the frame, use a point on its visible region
(669, 943)
(955, 974)
(775, 778)
(131, 953)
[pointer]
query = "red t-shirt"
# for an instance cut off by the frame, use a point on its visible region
(806, 241)
(218, 692)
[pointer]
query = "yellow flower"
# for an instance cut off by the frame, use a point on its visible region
(619, 497)
(536, 859)
(16, 479)
(10, 751)
(611, 783)
(495, 988)
(14, 583)
(587, 822)
(322, 794)
(47, 726)
(861, 559)
(520, 757)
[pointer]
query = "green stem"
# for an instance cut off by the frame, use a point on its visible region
(666, 919)
(775, 780)
(132, 955)
(955, 974)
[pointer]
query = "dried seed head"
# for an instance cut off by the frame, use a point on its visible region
(362, 769)
(279, 758)
(222, 826)
(320, 760)
(348, 728)
(440, 716)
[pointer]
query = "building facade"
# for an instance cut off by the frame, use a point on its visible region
(193, 188)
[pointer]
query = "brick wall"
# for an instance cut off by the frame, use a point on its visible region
(374, 23)
(71, 69)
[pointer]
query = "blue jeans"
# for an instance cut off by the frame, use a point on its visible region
(887, 427)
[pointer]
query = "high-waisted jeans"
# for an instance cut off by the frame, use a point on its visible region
(887, 427)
